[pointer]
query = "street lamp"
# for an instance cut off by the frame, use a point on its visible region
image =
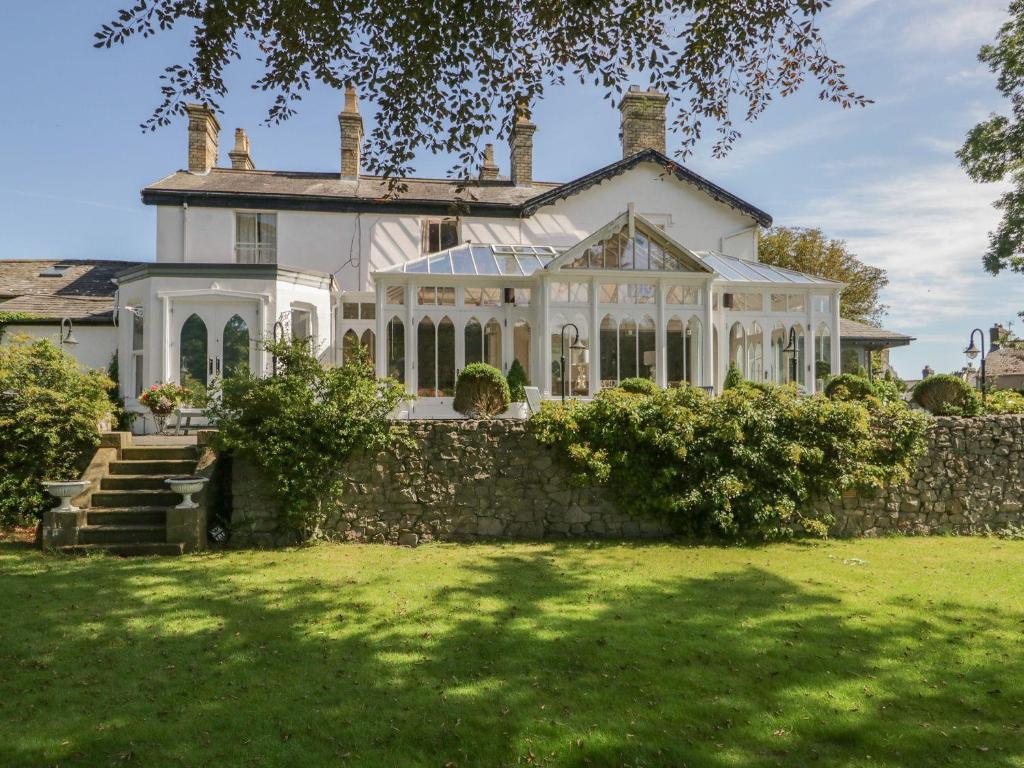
(791, 350)
(278, 326)
(575, 345)
(69, 337)
(972, 352)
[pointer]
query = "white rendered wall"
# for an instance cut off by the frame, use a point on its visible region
(96, 343)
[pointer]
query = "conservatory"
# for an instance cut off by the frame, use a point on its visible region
(626, 301)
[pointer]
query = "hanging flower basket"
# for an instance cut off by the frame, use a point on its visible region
(162, 399)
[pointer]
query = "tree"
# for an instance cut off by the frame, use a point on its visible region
(810, 251)
(444, 75)
(994, 148)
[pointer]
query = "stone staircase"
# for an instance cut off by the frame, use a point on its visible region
(128, 514)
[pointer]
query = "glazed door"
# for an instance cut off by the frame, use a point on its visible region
(215, 340)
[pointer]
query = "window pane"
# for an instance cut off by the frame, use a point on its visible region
(796, 303)
(462, 262)
(491, 297)
(522, 298)
(369, 340)
(137, 329)
(350, 310)
(236, 347)
(193, 352)
(426, 358)
(559, 291)
(579, 293)
(609, 293)
(349, 344)
(396, 349)
(778, 302)
(675, 352)
(474, 338)
(446, 357)
(446, 296)
(426, 295)
(471, 297)
(641, 246)
(302, 326)
(395, 294)
(449, 234)
(492, 344)
(485, 263)
(139, 368)
(608, 339)
(440, 265)
(645, 344)
(627, 350)
(367, 311)
(521, 346)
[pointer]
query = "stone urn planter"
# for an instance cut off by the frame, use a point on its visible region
(65, 490)
(186, 486)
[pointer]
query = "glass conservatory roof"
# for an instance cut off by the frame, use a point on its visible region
(737, 270)
(477, 259)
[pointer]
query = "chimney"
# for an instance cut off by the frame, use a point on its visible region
(489, 169)
(520, 142)
(927, 371)
(203, 132)
(643, 121)
(240, 159)
(995, 336)
(350, 122)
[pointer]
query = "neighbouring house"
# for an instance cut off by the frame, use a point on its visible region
(1004, 368)
(860, 340)
(640, 268)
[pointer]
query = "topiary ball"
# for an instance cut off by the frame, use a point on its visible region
(481, 391)
(517, 382)
(848, 387)
(946, 395)
(638, 386)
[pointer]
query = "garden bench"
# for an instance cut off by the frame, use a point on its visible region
(187, 414)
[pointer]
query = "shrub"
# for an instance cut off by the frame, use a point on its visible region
(517, 382)
(299, 426)
(733, 377)
(50, 412)
(848, 387)
(1003, 401)
(481, 391)
(638, 386)
(947, 395)
(742, 465)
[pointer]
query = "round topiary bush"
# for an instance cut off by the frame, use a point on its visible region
(638, 386)
(481, 391)
(517, 382)
(848, 387)
(946, 395)
(733, 377)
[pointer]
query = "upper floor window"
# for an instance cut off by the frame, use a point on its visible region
(682, 294)
(256, 238)
(570, 292)
(745, 302)
(358, 310)
(787, 302)
(481, 297)
(439, 234)
(443, 296)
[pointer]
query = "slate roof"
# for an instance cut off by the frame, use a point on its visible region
(851, 330)
(85, 291)
(227, 187)
(1005, 361)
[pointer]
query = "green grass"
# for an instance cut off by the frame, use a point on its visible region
(569, 655)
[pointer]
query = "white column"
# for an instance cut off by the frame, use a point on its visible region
(809, 353)
(710, 375)
(165, 342)
(410, 338)
(660, 353)
(595, 340)
(544, 380)
(837, 359)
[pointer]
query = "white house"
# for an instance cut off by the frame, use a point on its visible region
(650, 268)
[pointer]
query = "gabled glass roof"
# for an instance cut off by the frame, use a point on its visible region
(478, 259)
(737, 270)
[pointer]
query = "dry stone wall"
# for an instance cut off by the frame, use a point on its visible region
(463, 480)
(467, 480)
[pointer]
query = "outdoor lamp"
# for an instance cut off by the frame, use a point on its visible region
(574, 345)
(278, 328)
(67, 337)
(972, 352)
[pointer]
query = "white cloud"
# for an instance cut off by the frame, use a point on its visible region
(945, 147)
(918, 25)
(970, 75)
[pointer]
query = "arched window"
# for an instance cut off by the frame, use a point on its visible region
(822, 355)
(474, 338)
(755, 354)
(675, 352)
(780, 368)
(627, 349)
(646, 354)
(369, 340)
(521, 346)
(426, 358)
(236, 347)
(446, 357)
(349, 344)
(801, 355)
(695, 351)
(492, 343)
(608, 340)
(395, 352)
(193, 352)
(738, 348)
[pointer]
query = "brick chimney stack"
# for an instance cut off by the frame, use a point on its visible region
(489, 169)
(643, 121)
(203, 134)
(240, 158)
(520, 142)
(350, 123)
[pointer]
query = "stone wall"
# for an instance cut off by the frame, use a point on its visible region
(468, 480)
(970, 480)
(464, 480)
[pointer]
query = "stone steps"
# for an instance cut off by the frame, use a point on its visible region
(122, 534)
(149, 453)
(134, 482)
(140, 549)
(127, 516)
(135, 498)
(166, 467)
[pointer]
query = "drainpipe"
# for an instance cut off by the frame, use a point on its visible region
(184, 231)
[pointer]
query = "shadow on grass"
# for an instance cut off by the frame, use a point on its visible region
(511, 657)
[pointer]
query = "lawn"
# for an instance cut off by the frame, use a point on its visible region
(896, 652)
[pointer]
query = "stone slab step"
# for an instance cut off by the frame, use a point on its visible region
(153, 467)
(134, 483)
(157, 453)
(127, 516)
(122, 534)
(126, 550)
(122, 499)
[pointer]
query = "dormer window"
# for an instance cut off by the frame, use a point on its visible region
(439, 234)
(256, 238)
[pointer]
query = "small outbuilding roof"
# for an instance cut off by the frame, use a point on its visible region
(80, 289)
(871, 335)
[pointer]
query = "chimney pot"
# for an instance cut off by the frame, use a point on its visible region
(520, 143)
(240, 158)
(203, 135)
(643, 121)
(350, 124)
(489, 169)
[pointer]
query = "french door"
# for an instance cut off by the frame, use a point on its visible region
(215, 340)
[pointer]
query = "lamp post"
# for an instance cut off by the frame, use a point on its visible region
(972, 352)
(791, 350)
(69, 337)
(574, 345)
(278, 326)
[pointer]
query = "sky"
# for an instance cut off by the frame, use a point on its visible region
(884, 178)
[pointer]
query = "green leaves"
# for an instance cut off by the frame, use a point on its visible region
(300, 425)
(743, 465)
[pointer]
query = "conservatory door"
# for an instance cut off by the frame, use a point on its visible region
(215, 340)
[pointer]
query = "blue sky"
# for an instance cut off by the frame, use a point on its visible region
(884, 178)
